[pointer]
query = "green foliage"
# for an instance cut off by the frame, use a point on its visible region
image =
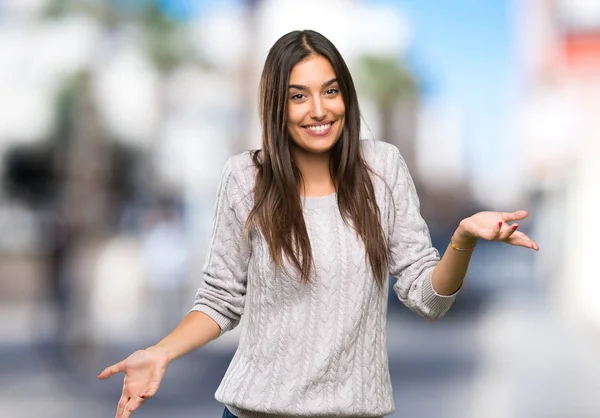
(57, 8)
(164, 39)
(386, 80)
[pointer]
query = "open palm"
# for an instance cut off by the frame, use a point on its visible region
(494, 226)
(144, 371)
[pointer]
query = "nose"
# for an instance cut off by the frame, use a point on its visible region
(318, 110)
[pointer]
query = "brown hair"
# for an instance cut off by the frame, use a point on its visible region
(277, 210)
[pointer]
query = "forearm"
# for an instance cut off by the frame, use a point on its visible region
(450, 272)
(194, 331)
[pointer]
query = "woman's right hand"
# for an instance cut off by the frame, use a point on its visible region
(144, 371)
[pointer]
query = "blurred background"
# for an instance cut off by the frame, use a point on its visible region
(117, 116)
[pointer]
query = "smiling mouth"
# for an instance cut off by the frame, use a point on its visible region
(319, 130)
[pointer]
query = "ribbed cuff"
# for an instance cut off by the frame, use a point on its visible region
(224, 322)
(438, 304)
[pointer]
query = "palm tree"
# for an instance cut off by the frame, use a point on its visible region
(163, 39)
(88, 160)
(394, 91)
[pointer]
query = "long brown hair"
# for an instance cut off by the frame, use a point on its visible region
(277, 210)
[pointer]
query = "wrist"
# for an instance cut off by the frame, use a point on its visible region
(461, 238)
(163, 351)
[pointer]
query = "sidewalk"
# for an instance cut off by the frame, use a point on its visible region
(32, 386)
(535, 364)
(519, 359)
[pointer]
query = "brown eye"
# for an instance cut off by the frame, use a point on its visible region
(332, 91)
(297, 96)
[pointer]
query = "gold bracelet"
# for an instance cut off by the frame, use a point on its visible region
(460, 249)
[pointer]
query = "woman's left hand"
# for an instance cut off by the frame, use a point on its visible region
(494, 226)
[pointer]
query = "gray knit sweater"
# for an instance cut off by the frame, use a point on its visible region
(315, 350)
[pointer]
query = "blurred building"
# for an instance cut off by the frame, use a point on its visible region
(559, 43)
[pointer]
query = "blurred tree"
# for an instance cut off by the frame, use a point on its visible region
(246, 77)
(163, 37)
(78, 155)
(166, 41)
(168, 44)
(82, 177)
(395, 93)
(387, 80)
(55, 9)
(75, 182)
(29, 174)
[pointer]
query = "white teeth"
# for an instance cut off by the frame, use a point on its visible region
(319, 128)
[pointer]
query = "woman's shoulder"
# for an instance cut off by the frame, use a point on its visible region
(377, 147)
(382, 157)
(241, 165)
(239, 174)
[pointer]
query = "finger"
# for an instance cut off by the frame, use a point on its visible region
(497, 230)
(126, 411)
(121, 406)
(151, 390)
(522, 240)
(490, 234)
(131, 406)
(514, 216)
(507, 232)
(154, 384)
(112, 370)
(528, 242)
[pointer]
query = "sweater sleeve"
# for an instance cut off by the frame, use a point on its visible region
(411, 255)
(222, 292)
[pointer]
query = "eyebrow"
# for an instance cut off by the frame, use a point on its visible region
(301, 87)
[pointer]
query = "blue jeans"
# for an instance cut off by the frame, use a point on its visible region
(227, 414)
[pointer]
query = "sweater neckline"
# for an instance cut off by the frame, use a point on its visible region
(317, 202)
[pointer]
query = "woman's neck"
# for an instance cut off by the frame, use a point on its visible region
(315, 173)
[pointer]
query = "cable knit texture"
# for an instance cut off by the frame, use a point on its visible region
(318, 349)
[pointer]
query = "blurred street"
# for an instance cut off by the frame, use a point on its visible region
(512, 361)
(513, 358)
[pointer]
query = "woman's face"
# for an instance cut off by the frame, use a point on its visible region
(316, 111)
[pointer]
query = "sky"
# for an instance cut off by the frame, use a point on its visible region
(466, 44)
(464, 49)
(461, 48)
(463, 52)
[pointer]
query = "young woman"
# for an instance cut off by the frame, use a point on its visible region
(307, 231)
